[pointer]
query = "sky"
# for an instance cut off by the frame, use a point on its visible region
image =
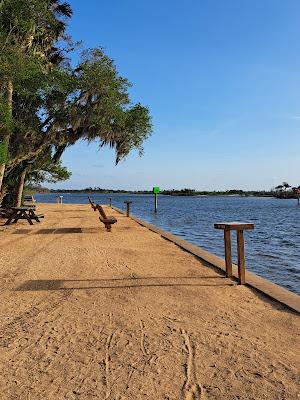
(222, 81)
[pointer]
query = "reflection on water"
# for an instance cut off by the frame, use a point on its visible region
(272, 249)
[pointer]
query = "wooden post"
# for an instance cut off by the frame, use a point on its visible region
(109, 201)
(128, 207)
(241, 256)
(155, 202)
(228, 259)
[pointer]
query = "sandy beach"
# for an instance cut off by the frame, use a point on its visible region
(87, 314)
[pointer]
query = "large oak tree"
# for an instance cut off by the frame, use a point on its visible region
(46, 104)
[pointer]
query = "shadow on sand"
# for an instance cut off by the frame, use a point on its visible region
(55, 231)
(120, 283)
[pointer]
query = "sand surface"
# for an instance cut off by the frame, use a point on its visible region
(87, 314)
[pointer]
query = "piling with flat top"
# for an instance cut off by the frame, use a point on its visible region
(128, 207)
(239, 227)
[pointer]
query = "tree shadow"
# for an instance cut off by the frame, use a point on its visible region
(120, 283)
(48, 231)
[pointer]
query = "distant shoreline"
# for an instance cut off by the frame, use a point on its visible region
(163, 193)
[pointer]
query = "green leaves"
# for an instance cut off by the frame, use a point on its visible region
(3, 151)
(55, 105)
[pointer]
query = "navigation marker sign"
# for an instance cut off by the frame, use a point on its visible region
(156, 190)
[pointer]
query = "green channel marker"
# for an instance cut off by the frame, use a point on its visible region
(156, 190)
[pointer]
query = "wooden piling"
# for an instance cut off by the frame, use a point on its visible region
(128, 207)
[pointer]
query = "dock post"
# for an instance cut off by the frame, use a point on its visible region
(155, 202)
(128, 207)
(156, 190)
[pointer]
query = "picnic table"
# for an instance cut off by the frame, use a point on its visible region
(27, 213)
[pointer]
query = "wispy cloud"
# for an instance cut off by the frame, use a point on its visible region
(222, 127)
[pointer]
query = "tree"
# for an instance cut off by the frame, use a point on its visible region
(28, 31)
(55, 104)
(285, 186)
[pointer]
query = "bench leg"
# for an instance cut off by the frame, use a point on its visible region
(228, 259)
(108, 227)
(29, 220)
(9, 220)
(34, 216)
(24, 215)
(241, 257)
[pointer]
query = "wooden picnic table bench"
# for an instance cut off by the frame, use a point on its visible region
(107, 220)
(27, 213)
(5, 212)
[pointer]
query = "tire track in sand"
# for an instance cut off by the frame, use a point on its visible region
(107, 358)
(191, 389)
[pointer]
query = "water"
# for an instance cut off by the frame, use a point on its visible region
(272, 248)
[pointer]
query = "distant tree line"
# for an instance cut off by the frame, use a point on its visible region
(171, 192)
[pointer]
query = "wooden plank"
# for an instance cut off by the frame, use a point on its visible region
(234, 225)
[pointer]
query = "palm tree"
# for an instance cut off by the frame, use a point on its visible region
(285, 185)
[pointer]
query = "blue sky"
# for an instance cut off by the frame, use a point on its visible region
(222, 81)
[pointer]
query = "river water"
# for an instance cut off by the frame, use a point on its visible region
(272, 248)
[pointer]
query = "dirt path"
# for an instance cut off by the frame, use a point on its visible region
(87, 314)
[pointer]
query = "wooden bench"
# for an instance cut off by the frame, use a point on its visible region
(107, 220)
(94, 205)
(29, 200)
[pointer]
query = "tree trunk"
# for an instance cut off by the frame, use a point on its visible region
(2, 170)
(20, 188)
(6, 136)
